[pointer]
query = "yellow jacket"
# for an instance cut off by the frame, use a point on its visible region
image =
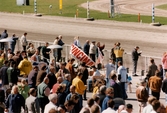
(118, 52)
(25, 67)
(80, 87)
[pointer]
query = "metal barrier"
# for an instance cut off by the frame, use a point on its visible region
(143, 62)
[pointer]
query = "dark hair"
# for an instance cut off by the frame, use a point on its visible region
(152, 60)
(74, 97)
(90, 102)
(43, 67)
(69, 103)
(32, 91)
(96, 98)
(6, 62)
(111, 103)
(156, 104)
(79, 74)
(113, 76)
(129, 106)
(119, 62)
(12, 63)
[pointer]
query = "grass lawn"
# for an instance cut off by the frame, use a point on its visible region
(164, 6)
(69, 10)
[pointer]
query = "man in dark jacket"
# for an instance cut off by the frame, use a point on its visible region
(61, 43)
(4, 76)
(41, 75)
(86, 47)
(135, 57)
(52, 77)
(15, 101)
(46, 53)
(32, 77)
(164, 87)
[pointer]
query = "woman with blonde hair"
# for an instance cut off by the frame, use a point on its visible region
(15, 101)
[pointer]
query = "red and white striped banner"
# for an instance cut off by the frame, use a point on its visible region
(81, 56)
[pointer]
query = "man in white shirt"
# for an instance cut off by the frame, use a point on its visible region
(129, 109)
(96, 74)
(122, 76)
(110, 107)
(52, 104)
(109, 67)
(23, 41)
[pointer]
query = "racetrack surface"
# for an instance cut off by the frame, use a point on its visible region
(144, 7)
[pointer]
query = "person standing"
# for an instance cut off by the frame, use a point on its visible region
(61, 43)
(80, 87)
(13, 44)
(3, 35)
(109, 67)
(112, 55)
(41, 74)
(142, 95)
(77, 42)
(32, 77)
(23, 41)
(32, 104)
(43, 92)
(135, 57)
(164, 63)
(122, 76)
(92, 51)
(109, 95)
(52, 103)
(155, 84)
(25, 67)
(83, 69)
(164, 87)
(86, 47)
(110, 108)
(67, 82)
(152, 69)
(118, 51)
(15, 101)
(52, 77)
(13, 74)
(46, 53)
(70, 68)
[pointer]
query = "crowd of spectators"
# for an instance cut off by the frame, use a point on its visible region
(31, 82)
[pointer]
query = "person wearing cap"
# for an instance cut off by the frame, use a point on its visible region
(128, 109)
(92, 51)
(142, 95)
(32, 104)
(135, 57)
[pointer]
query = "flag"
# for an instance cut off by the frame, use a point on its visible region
(100, 57)
(77, 53)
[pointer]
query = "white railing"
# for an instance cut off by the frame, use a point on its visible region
(143, 61)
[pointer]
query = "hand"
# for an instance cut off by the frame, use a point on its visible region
(6, 110)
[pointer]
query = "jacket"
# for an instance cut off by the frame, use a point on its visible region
(14, 103)
(118, 51)
(92, 49)
(25, 67)
(32, 78)
(164, 86)
(32, 104)
(135, 55)
(13, 74)
(68, 84)
(151, 71)
(142, 94)
(40, 76)
(164, 61)
(86, 48)
(155, 83)
(80, 87)
(4, 76)
(70, 68)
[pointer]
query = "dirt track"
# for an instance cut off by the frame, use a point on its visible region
(144, 7)
(150, 39)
